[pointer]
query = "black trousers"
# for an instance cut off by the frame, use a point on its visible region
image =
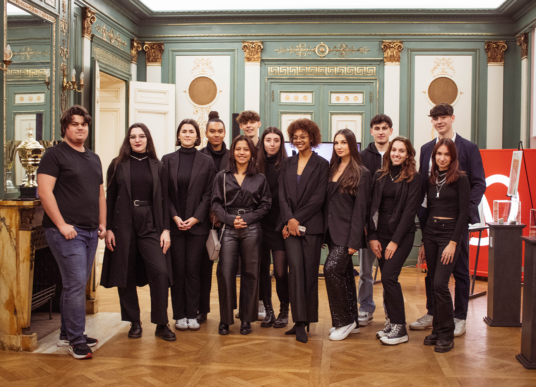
(462, 278)
(186, 257)
(390, 269)
(340, 284)
(239, 245)
(281, 277)
(145, 241)
(436, 237)
(206, 282)
(303, 254)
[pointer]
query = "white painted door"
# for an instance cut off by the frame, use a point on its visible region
(153, 104)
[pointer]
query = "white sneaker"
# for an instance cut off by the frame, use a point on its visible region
(397, 335)
(364, 318)
(422, 323)
(355, 330)
(460, 327)
(193, 325)
(182, 324)
(342, 332)
(262, 311)
(386, 329)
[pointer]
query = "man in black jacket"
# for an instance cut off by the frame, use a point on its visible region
(471, 163)
(381, 128)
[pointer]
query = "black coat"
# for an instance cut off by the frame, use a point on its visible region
(224, 159)
(303, 201)
(470, 162)
(407, 199)
(346, 214)
(371, 158)
(199, 191)
(119, 220)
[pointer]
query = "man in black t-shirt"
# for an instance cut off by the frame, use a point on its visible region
(71, 191)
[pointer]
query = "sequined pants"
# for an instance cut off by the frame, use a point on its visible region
(340, 284)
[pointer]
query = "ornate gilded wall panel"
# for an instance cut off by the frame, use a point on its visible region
(325, 71)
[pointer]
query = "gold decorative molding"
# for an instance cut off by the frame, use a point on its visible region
(111, 36)
(495, 51)
(391, 51)
(27, 53)
(89, 18)
(202, 67)
(252, 51)
(523, 42)
(135, 47)
(443, 66)
(32, 9)
(342, 50)
(111, 59)
(327, 71)
(154, 53)
(26, 73)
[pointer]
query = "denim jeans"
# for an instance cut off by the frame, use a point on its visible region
(366, 280)
(75, 260)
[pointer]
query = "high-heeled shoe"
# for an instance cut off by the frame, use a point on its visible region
(301, 336)
(291, 331)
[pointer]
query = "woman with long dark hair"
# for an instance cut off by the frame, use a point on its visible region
(303, 181)
(448, 193)
(138, 226)
(272, 153)
(191, 174)
(391, 232)
(345, 211)
(241, 198)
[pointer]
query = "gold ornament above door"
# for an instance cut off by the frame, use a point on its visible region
(342, 50)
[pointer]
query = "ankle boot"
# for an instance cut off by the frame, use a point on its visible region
(282, 319)
(135, 330)
(269, 320)
(300, 332)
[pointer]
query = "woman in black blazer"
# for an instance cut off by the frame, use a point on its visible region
(191, 174)
(241, 198)
(345, 213)
(303, 182)
(137, 216)
(272, 153)
(391, 232)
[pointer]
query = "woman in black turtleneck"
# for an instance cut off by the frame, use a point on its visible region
(137, 207)
(191, 174)
(391, 232)
(272, 154)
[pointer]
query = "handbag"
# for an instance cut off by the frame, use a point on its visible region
(214, 242)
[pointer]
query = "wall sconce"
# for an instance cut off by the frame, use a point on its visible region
(66, 85)
(47, 81)
(8, 54)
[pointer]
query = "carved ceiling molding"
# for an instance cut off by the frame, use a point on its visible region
(154, 53)
(252, 51)
(495, 51)
(135, 47)
(111, 36)
(342, 50)
(523, 42)
(391, 51)
(89, 18)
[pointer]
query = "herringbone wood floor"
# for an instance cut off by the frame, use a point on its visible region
(483, 357)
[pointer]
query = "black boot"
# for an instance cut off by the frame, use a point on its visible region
(300, 332)
(201, 318)
(269, 320)
(165, 333)
(135, 330)
(245, 328)
(223, 329)
(282, 319)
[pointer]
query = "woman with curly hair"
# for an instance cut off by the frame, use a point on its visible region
(303, 181)
(396, 194)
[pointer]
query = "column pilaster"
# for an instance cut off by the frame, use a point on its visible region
(391, 102)
(495, 53)
(252, 82)
(154, 61)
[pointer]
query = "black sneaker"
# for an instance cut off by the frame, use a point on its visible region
(80, 351)
(90, 342)
(397, 335)
(165, 333)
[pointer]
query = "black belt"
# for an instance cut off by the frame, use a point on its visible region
(239, 211)
(142, 203)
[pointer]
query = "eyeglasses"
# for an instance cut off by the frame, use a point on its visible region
(301, 138)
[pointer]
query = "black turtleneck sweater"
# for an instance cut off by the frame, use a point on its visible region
(388, 203)
(272, 176)
(217, 156)
(186, 163)
(141, 178)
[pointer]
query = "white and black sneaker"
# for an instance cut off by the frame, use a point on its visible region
(90, 342)
(364, 319)
(80, 351)
(262, 311)
(397, 335)
(385, 331)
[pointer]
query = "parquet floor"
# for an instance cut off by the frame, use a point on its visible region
(483, 357)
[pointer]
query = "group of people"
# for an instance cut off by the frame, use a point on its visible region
(269, 207)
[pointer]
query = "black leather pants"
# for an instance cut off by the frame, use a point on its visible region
(244, 246)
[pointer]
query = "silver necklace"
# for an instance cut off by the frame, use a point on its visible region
(440, 184)
(143, 158)
(396, 177)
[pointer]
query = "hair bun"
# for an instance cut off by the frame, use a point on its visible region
(213, 115)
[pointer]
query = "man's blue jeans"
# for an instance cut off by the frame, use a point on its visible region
(75, 259)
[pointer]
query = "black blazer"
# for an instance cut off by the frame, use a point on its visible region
(119, 220)
(346, 214)
(224, 159)
(303, 201)
(470, 162)
(199, 191)
(407, 199)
